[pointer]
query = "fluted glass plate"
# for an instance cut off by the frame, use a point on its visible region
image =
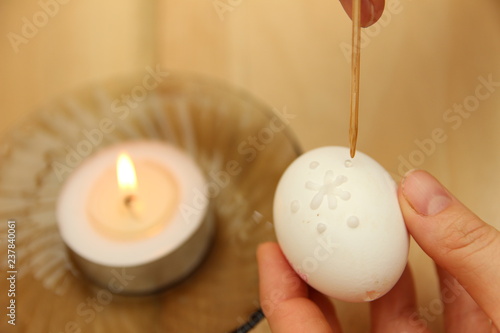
(215, 124)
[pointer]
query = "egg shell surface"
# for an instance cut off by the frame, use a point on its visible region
(338, 222)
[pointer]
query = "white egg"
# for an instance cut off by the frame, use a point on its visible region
(339, 224)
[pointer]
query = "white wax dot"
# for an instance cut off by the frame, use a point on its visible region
(321, 228)
(348, 163)
(353, 222)
(313, 165)
(295, 206)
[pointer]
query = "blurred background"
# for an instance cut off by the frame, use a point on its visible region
(427, 67)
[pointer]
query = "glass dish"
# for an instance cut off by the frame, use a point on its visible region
(214, 123)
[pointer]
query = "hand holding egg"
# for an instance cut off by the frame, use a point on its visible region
(339, 224)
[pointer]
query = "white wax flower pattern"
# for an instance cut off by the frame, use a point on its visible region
(330, 189)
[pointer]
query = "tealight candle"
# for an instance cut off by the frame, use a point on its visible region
(122, 209)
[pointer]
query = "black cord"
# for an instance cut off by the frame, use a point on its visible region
(255, 318)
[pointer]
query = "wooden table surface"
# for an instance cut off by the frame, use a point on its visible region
(423, 59)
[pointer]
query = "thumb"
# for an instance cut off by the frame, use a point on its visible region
(371, 10)
(457, 240)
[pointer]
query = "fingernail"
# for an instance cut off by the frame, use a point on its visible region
(424, 193)
(371, 12)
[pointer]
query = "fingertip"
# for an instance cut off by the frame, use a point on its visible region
(276, 276)
(424, 193)
(267, 253)
(262, 248)
(371, 10)
(378, 11)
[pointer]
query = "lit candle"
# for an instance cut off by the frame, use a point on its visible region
(121, 209)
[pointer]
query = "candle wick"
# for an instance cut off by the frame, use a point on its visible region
(129, 200)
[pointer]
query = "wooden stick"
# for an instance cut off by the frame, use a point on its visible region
(355, 68)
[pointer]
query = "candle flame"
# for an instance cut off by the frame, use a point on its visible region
(125, 171)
